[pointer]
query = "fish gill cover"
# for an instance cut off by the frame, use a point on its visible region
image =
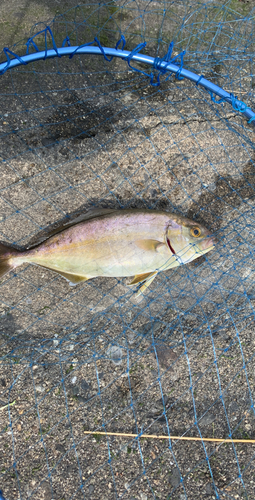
(80, 365)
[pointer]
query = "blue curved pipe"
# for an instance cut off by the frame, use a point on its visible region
(124, 54)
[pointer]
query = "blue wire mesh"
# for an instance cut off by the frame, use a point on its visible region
(84, 132)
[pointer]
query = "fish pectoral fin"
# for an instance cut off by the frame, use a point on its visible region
(73, 279)
(150, 245)
(140, 278)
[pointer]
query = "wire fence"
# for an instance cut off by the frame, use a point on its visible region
(80, 131)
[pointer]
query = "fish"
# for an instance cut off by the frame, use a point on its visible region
(133, 243)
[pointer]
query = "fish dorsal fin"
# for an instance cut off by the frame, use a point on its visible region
(139, 278)
(90, 214)
(150, 245)
(73, 279)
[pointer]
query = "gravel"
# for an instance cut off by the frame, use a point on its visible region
(76, 361)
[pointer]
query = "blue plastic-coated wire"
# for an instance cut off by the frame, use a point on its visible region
(108, 53)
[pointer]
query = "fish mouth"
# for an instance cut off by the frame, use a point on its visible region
(207, 249)
(170, 246)
(208, 243)
(204, 248)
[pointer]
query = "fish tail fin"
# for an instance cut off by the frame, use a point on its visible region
(6, 259)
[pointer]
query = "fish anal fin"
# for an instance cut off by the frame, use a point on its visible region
(150, 245)
(73, 279)
(139, 278)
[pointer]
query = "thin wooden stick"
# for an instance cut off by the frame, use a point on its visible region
(182, 438)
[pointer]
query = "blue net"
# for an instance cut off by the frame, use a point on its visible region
(100, 126)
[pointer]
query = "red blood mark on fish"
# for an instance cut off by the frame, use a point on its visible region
(170, 246)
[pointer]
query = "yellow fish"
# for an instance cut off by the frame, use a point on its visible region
(116, 243)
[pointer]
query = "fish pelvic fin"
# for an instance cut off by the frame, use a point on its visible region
(140, 278)
(144, 280)
(6, 259)
(145, 285)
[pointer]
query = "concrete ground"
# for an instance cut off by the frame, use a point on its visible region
(75, 361)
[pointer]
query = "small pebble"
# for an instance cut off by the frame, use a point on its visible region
(115, 354)
(207, 419)
(165, 356)
(75, 390)
(209, 489)
(60, 447)
(175, 477)
(39, 388)
(143, 496)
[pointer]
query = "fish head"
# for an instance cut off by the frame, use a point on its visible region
(188, 240)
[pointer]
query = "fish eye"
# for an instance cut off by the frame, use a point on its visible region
(195, 232)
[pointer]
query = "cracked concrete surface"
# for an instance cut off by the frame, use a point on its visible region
(79, 133)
